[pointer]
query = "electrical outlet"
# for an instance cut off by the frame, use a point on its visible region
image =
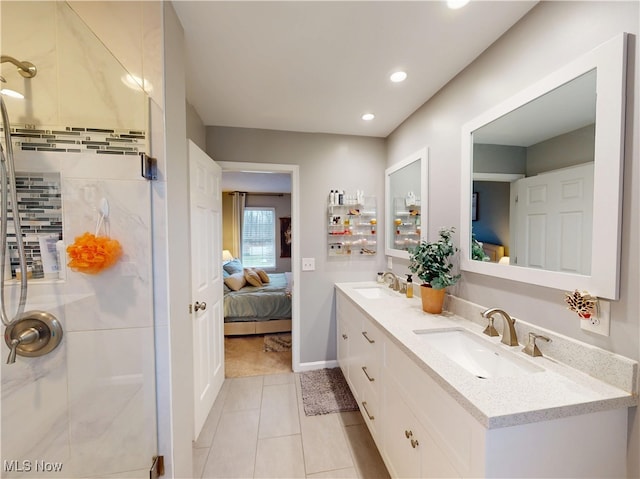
(308, 264)
(599, 324)
(389, 263)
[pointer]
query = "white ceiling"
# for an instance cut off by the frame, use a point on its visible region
(318, 66)
(567, 108)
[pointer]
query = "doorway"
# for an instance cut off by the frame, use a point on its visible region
(292, 171)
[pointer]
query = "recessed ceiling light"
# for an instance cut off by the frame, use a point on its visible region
(399, 76)
(368, 116)
(455, 4)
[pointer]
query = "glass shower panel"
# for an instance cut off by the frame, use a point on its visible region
(88, 408)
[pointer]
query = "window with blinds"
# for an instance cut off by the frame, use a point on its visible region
(259, 237)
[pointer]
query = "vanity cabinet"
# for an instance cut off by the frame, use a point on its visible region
(352, 227)
(409, 450)
(422, 430)
(360, 355)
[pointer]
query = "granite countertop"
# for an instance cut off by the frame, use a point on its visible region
(557, 391)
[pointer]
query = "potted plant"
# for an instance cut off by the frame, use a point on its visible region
(431, 263)
(477, 252)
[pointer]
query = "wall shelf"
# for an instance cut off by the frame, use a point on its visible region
(407, 223)
(352, 228)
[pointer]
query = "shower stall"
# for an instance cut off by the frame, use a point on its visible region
(78, 122)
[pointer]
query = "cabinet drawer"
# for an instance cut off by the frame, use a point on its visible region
(371, 340)
(370, 403)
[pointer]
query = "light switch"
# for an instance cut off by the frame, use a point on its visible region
(308, 264)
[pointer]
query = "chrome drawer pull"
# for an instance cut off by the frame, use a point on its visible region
(414, 443)
(364, 368)
(364, 333)
(408, 434)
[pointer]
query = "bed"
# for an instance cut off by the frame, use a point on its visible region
(256, 307)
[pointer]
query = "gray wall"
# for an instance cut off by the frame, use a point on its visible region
(499, 159)
(551, 35)
(196, 131)
(570, 149)
(326, 162)
(492, 225)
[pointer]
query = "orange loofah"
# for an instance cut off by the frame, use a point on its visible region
(92, 254)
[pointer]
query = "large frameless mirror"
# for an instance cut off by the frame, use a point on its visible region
(406, 204)
(542, 173)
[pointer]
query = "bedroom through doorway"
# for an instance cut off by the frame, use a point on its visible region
(258, 255)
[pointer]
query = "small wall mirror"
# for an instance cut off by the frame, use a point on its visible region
(543, 170)
(406, 204)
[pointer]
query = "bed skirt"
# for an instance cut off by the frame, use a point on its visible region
(257, 327)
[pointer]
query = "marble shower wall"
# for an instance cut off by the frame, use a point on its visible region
(90, 405)
(78, 83)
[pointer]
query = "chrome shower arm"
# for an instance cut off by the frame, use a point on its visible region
(26, 69)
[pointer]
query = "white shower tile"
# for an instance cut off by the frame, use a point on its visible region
(152, 54)
(91, 88)
(34, 398)
(36, 44)
(117, 24)
(120, 296)
(112, 420)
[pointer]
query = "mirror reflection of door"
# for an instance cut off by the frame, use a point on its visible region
(552, 133)
(553, 220)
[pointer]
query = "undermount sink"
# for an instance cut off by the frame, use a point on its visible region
(480, 357)
(376, 292)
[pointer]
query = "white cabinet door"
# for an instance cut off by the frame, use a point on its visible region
(342, 342)
(399, 429)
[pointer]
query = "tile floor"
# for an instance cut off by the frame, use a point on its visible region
(257, 428)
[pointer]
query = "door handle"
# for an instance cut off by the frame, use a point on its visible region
(199, 306)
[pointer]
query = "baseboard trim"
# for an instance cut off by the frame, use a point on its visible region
(317, 365)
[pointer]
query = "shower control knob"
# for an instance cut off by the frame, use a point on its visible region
(33, 334)
(200, 306)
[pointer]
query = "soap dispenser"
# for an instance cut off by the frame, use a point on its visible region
(409, 286)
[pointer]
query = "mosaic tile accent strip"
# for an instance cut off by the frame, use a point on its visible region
(102, 141)
(40, 209)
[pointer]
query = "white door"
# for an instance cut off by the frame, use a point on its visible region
(554, 217)
(206, 282)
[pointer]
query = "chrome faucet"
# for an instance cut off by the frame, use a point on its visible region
(509, 336)
(395, 283)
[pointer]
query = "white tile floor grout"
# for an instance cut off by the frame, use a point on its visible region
(257, 429)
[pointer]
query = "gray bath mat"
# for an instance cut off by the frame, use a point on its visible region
(277, 342)
(325, 391)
